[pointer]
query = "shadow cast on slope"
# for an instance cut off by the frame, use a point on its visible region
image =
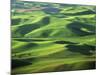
(15, 21)
(80, 13)
(19, 63)
(83, 49)
(64, 42)
(76, 27)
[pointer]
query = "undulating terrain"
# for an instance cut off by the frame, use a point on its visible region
(49, 37)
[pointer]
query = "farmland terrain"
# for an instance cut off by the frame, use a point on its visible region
(50, 37)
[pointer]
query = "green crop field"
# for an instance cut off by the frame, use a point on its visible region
(51, 37)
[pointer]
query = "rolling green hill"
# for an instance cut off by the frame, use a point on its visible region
(49, 37)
